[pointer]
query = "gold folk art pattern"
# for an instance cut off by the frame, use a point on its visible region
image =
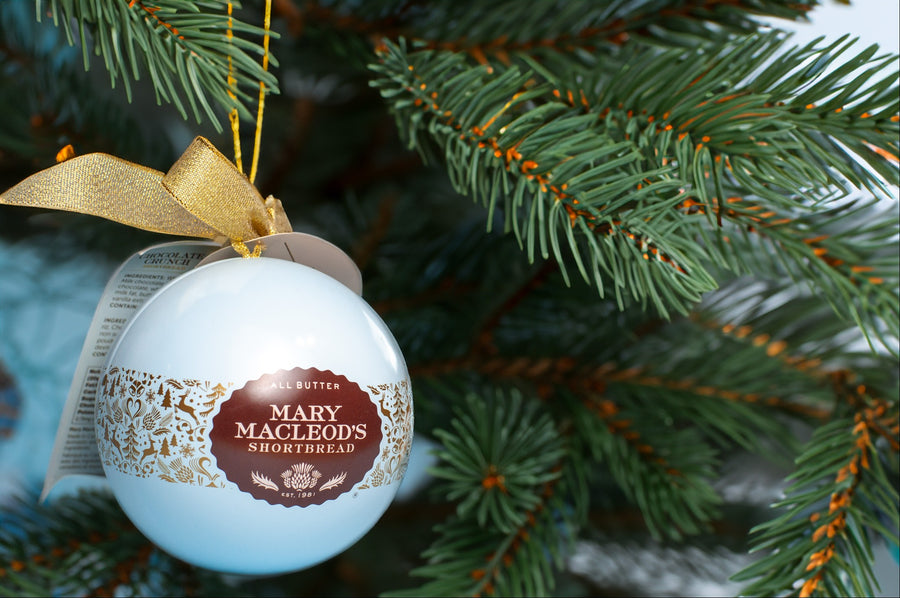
(395, 407)
(150, 426)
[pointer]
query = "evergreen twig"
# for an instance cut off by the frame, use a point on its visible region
(182, 46)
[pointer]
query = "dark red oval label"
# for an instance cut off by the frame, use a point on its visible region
(298, 437)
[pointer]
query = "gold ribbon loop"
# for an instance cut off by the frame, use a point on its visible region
(202, 195)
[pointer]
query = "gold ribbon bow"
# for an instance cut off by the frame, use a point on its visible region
(202, 195)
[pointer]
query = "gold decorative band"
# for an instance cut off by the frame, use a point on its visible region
(150, 426)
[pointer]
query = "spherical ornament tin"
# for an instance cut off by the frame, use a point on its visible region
(254, 417)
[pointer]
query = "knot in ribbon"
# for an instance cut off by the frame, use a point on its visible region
(202, 195)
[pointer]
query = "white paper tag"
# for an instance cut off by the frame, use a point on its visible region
(75, 448)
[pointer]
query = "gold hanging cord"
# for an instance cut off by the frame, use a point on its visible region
(232, 83)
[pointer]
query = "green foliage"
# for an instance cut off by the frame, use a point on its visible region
(842, 494)
(498, 454)
(845, 252)
(665, 472)
(546, 28)
(623, 174)
(182, 46)
(84, 542)
(503, 461)
(768, 115)
(534, 165)
(39, 120)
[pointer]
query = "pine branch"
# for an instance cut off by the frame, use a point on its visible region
(84, 544)
(657, 174)
(496, 147)
(728, 410)
(42, 93)
(542, 167)
(846, 253)
(496, 457)
(666, 475)
(785, 151)
(795, 326)
(468, 560)
(825, 546)
(774, 349)
(756, 111)
(505, 464)
(183, 47)
(544, 27)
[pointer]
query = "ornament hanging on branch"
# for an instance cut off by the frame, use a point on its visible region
(254, 403)
(252, 413)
